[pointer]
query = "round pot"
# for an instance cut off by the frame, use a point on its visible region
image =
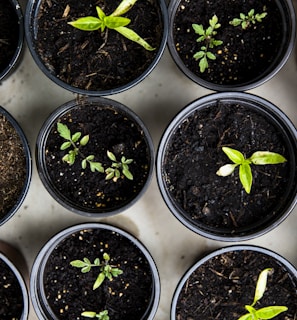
(11, 54)
(240, 61)
(111, 126)
(13, 290)
(16, 176)
(224, 281)
(119, 75)
(190, 154)
(139, 278)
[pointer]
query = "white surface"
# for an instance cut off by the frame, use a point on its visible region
(29, 96)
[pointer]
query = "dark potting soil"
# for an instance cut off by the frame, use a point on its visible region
(9, 33)
(244, 54)
(11, 296)
(70, 292)
(109, 130)
(194, 155)
(12, 166)
(96, 60)
(222, 286)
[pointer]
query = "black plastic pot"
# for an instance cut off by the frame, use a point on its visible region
(37, 288)
(18, 42)
(219, 228)
(15, 285)
(31, 31)
(230, 267)
(112, 138)
(28, 164)
(288, 30)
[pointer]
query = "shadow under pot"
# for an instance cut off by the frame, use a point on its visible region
(254, 194)
(11, 36)
(223, 283)
(95, 156)
(13, 291)
(231, 45)
(107, 58)
(15, 166)
(93, 269)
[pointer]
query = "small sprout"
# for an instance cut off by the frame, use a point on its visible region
(106, 270)
(113, 172)
(75, 142)
(266, 312)
(245, 172)
(207, 37)
(114, 21)
(247, 20)
(103, 315)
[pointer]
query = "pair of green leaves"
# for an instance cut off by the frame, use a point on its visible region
(106, 270)
(206, 36)
(245, 171)
(246, 20)
(113, 172)
(114, 21)
(266, 312)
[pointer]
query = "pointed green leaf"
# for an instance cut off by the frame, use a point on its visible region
(111, 156)
(210, 56)
(98, 281)
(133, 36)
(226, 170)
(203, 64)
(84, 163)
(97, 262)
(261, 285)
(198, 28)
(106, 256)
(123, 7)
(247, 316)
(63, 131)
(84, 140)
(116, 22)
(90, 157)
(87, 23)
(270, 312)
(234, 155)
(198, 55)
(127, 174)
(75, 137)
(89, 314)
(109, 175)
(100, 13)
(96, 166)
(86, 269)
(236, 22)
(245, 176)
(266, 157)
(65, 145)
(77, 263)
(252, 311)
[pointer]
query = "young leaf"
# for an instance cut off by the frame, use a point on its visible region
(96, 166)
(89, 314)
(116, 22)
(78, 263)
(270, 312)
(75, 137)
(100, 13)
(99, 280)
(203, 64)
(127, 174)
(226, 170)
(123, 7)
(247, 316)
(87, 23)
(84, 140)
(63, 131)
(65, 145)
(198, 28)
(111, 156)
(234, 155)
(266, 157)
(245, 176)
(261, 285)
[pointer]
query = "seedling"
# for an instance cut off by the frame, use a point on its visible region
(75, 142)
(207, 37)
(114, 21)
(113, 172)
(106, 270)
(245, 172)
(247, 20)
(266, 312)
(103, 315)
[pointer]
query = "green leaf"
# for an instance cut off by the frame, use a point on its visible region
(251, 13)
(213, 21)
(198, 55)
(87, 23)
(96, 166)
(78, 263)
(133, 36)
(89, 314)
(63, 131)
(109, 174)
(234, 155)
(97, 262)
(245, 176)
(90, 157)
(116, 22)
(86, 269)
(226, 170)
(106, 256)
(84, 163)
(270, 312)
(247, 316)
(236, 22)
(203, 64)
(75, 137)
(84, 140)
(217, 42)
(266, 157)
(261, 285)
(100, 13)
(198, 28)
(127, 174)
(111, 156)
(123, 7)
(99, 281)
(127, 161)
(210, 56)
(116, 272)
(65, 145)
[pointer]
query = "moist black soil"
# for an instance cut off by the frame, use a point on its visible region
(11, 295)
(69, 292)
(96, 60)
(194, 155)
(109, 130)
(244, 54)
(222, 286)
(12, 166)
(9, 33)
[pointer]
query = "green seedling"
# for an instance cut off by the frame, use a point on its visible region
(245, 171)
(266, 312)
(103, 315)
(114, 21)
(247, 20)
(207, 37)
(74, 142)
(113, 172)
(106, 270)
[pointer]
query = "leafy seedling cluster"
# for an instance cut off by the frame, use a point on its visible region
(75, 142)
(106, 271)
(207, 35)
(264, 313)
(245, 171)
(114, 21)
